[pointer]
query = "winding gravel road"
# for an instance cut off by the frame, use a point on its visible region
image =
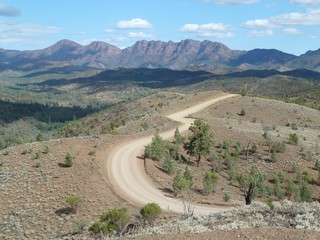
(127, 174)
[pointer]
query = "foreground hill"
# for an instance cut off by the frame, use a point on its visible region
(35, 181)
(187, 54)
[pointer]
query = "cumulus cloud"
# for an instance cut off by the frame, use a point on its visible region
(265, 33)
(23, 33)
(212, 30)
(135, 23)
(140, 35)
(286, 22)
(311, 17)
(259, 23)
(203, 28)
(305, 2)
(8, 11)
(291, 31)
(233, 1)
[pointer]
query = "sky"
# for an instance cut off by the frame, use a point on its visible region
(292, 26)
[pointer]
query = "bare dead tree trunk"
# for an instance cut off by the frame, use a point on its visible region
(249, 194)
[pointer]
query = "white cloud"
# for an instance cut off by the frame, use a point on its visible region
(135, 23)
(266, 33)
(8, 11)
(209, 30)
(291, 31)
(23, 33)
(203, 28)
(311, 17)
(140, 35)
(305, 2)
(233, 1)
(259, 23)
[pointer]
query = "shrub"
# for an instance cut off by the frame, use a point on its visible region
(226, 197)
(278, 192)
(273, 156)
(306, 192)
(281, 177)
(92, 152)
(150, 212)
(101, 228)
(69, 160)
(45, 150)
(317, 165)
(156, 150)
(188, 176)
(74, 202)
(209, 181)
(293, 138)
(181, 183)
(79, 225)
(232, 174)
(37, 165)
(36, 154)
(242, 112)
(39, 137)
(169, 166)
(117, 217)
(306, 176)
(279, 147)
(254, 148)
(291, 188)
(294, 126)
(269, 202)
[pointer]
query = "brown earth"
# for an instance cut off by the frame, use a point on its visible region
(33, 189)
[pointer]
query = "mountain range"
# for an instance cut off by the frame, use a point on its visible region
(187, 54)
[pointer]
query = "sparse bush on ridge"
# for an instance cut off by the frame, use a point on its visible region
(118, 218)
(293, 138)
(69, 160)
(74, 202)
(209, 180)
(150, 212)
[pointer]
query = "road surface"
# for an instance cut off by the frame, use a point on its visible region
(127, 173)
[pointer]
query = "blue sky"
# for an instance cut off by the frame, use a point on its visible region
(291, 26)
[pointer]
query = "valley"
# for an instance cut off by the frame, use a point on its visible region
(84, 133)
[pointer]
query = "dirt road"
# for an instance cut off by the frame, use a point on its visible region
(126, 169)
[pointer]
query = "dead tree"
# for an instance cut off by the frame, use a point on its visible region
(248, 194)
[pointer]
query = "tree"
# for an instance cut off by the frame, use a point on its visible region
(101, 228)
(169, 166)
(118, 217)
(209, 180)
(150, 212)
(182, 182)
(156, 150)
(69, 160)
(306, 192)
(249, 184)
(242, 112)
(178, 138)
(200, 141)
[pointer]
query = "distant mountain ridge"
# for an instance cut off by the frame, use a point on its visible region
(187, 54)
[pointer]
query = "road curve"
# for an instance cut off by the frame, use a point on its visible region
(126, 170)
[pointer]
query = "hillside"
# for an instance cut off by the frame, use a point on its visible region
(187, 54)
